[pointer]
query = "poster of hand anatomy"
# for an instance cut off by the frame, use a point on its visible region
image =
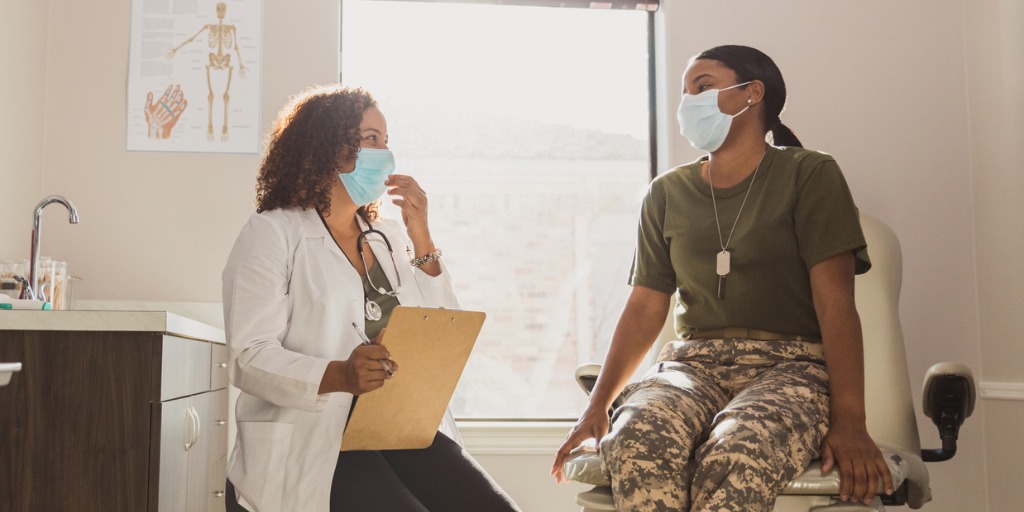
(194, 71)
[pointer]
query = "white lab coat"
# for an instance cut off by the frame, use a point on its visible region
(290, 297)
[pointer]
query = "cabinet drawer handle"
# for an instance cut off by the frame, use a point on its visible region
(222, 365)
(191, 429)
(194, 435)
(218, 494)
(195, 414)
(220, 423)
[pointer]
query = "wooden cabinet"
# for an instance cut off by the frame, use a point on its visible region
(113, 421)
(193, 452)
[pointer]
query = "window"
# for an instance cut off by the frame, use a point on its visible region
(529, 129)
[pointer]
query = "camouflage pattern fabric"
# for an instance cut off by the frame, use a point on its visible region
(718, 425)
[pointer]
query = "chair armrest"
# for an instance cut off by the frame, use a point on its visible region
(586, 377)
(948, 399)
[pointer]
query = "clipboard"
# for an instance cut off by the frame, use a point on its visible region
(431, 346)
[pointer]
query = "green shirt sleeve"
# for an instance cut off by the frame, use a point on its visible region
(826, 219)
(652, 263)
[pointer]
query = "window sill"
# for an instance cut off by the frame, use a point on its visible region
(513, 437)
(1001, 390)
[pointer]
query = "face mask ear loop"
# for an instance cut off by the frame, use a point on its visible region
(737, 85)
(748, 99)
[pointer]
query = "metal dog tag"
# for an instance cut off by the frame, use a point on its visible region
(723, 263)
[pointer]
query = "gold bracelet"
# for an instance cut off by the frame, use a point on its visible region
(426, 258)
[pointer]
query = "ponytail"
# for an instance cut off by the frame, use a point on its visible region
(783, 136)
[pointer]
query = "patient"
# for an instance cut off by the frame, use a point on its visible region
(312, 273)
(760, 243)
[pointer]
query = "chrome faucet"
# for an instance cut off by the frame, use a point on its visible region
(37, 227)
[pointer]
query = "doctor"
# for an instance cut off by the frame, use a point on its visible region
(315, 259)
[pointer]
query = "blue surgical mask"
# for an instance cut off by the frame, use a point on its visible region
(366, 182)
(702, 122)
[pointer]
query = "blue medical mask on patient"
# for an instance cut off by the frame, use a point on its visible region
(366, 182)
(702, 122)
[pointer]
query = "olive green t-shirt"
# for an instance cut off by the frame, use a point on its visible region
(799, 213)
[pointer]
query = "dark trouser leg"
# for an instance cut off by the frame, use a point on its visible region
(230, 501)
(365, 481)
(445, 478)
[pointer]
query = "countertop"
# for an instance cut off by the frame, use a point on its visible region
(140, 321)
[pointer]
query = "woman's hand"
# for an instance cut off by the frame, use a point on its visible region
(593, 424)
(410, 197)
(848, 446)
(362, 372)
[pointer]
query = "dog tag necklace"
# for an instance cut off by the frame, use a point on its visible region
(723, 259)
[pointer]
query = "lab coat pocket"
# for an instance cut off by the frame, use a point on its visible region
(258, 470)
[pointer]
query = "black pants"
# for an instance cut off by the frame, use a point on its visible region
(441, 478)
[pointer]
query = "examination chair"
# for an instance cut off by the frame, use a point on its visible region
(948, 399)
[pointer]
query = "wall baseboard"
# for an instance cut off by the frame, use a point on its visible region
(1001, 391)
(513, 437)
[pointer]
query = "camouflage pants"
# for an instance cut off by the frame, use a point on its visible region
(718, 425)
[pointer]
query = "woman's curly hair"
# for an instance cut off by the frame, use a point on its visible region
(315, 131)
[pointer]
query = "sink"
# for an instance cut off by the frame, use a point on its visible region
(6, 370)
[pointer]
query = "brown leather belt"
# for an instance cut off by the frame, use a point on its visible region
(744, 333)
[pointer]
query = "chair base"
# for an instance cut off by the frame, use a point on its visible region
(599, 499)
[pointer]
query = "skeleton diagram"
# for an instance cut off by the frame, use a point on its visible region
(222, 38)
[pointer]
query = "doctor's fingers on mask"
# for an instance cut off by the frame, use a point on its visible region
(406, 187)
(402, 180)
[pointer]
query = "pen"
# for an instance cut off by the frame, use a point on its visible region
(366, 341)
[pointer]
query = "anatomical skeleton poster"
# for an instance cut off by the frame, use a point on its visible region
(194, 71)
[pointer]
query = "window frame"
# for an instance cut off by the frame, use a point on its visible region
(504, 422)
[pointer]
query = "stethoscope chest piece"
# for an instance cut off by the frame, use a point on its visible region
(372, 310)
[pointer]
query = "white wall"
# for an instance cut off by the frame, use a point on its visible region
(881, 85)
(156, 226)
(995, 74)
(22, 72)
(525, 478)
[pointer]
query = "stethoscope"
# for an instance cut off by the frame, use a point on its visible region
(371, 309)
